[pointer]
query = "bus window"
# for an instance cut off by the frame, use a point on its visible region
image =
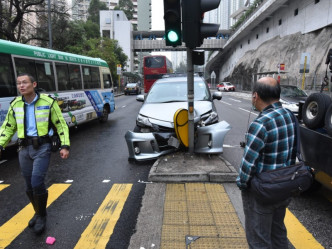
(107, 80)
(95, 77)
(25, 66)
(62, 76)
(45, 76)
(87, 77)
(75, 77)
(7, 82)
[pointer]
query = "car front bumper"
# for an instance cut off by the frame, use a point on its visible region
(147, 146)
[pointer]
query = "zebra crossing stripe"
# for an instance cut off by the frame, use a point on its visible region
(3, 186)
(101, 227)
(298, 235)
(12, 228)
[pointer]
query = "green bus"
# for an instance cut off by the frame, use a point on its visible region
(82, 85)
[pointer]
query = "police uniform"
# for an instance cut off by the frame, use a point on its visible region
(36, 118)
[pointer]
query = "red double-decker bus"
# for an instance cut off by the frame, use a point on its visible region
(154, 67)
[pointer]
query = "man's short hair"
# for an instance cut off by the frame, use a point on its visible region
(267, 92)
(31, 78)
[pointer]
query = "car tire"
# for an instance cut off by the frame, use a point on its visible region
(328, 120)
(104, 116)
(314, 109)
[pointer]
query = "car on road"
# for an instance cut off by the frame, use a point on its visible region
(225, 86)
(290, 97)
(154, 134)
(132, 88)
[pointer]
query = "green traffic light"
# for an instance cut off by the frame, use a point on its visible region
(172, 36)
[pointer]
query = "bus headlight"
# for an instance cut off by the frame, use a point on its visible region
(143, 121)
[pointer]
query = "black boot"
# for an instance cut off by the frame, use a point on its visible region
(33, 220)
(41, 202)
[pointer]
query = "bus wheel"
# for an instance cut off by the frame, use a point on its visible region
(314, 109)
(328, 120)
(104, 116)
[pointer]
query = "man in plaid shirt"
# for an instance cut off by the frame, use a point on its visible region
(270, 144)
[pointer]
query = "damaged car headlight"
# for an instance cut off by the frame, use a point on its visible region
(209, 118)
(143, 121)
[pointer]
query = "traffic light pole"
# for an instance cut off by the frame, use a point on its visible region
(190, 83)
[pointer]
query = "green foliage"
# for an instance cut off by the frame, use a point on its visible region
(94, 8)
(127, 7)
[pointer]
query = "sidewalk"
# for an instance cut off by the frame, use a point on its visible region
(191, 202)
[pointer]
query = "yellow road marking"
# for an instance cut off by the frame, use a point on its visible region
(12, 228)
(101, 227)
(298, 235)
(3, 186)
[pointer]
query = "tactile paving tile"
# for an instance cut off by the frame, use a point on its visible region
(218, 197)
(196, 218)
(174, 232)
(175, 188)
(175, 196)
(232, 243)
(205, 243)
(225, 219)
(176, 218)
(232, 231)
(196, 196)
(195, 187)
(175, 206)
(206, 231)
(173, 244)
(222, 207)
(214, 187)
(198, 206)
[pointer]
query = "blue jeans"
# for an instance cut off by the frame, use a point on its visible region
(264, 224)
(34, 166)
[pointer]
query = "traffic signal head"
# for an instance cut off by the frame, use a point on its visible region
(172, 17)
(194, 30)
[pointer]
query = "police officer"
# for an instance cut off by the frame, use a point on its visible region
(32, 115)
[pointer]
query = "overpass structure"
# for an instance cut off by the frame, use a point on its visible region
(154, 41)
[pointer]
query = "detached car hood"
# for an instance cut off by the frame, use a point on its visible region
(165, 112)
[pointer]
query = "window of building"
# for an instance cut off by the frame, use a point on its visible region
(106, 33)
(256, 36)
(108, 20)
(249, 41)
(280, 22)
(241, 46)
(296, 12)
(267, 30)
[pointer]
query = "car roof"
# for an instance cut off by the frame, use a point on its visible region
(178, 79)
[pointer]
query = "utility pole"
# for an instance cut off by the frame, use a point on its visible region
(49, 25)
(190, 89)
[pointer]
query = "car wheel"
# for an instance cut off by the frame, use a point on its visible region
(314, 110)
(328, 120)
(104, 116)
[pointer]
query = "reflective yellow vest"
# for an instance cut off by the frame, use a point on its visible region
(45, 108)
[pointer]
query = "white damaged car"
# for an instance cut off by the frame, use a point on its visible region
(154, 134)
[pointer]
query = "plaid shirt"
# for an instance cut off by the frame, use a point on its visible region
(270, 143)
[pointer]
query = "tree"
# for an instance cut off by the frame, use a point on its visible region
(127, 7)
(13, 26)
(93, 11)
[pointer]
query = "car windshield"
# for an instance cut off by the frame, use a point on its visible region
(292, 91)
(166, 92)
(228, 84)
(131, 85)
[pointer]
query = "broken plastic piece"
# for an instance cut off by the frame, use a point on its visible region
(50, 240)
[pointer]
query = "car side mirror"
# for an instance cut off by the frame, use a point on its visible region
(140, 98)
(217, 95)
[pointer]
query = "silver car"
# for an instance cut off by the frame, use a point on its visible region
(154, 134)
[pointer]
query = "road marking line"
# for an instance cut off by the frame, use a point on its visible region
(3, 186)
(298, 235)
(2, 161)
(12, 228)
(101, 227)
(236, 100)
(248, 111)
(225, 102)
(123, 106)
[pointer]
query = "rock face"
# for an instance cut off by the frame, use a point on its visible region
(288, 50)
